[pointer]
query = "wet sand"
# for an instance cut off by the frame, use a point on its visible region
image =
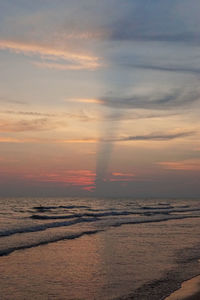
(190, 290)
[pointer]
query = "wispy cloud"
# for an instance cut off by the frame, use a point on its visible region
(130, 116)
(37, 140)
(177, 98)
(185, 165)
(82, 116)
(69, 66)
(121, 177)
(179, 37)
(64, 59)
(26, 125)
(79, 141)
(11, 140)
(167, 68)
(161, 137)
(11, 101)
(26, 113)
(154, 137)
(86, 100)
(149, 137)
(169, 101)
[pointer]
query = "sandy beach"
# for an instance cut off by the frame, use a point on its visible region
(190, 290)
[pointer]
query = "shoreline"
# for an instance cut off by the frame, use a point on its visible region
(189, 290)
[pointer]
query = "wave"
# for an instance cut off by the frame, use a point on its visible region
(46, 217)
(73, 236)
(8, 251)
(45, 226)
(151, 213)
(157, 207)
(45, 208)
(155, 220)
(145, 211)
(95, 215)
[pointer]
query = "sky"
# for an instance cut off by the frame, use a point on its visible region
(100, 98)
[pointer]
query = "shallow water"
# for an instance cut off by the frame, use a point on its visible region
(74, 248)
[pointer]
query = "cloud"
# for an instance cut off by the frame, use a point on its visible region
(85, 100)
(26, 125)
(77, 178)
(114, 116)
(82, 116)
(154, 137)
(183, 37)
(121, 177)
(130, 116)
(10, 140)
(175, 99)
(63, 67)
(168, 68)
(52, 56)
(27, 113)
(156, 21)
(6, 100)
(161, 137)
(37, 140)
(83, 178)
(79, 141)
(185, 165)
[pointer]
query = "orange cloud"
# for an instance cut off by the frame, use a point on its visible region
(42, 140)
(68, 60)
(186, 165)
(10, 140)
(122, 174)
(87, 100)
(80, 178)
(119, 176)
(79, 141)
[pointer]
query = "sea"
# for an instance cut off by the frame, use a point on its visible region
(97, 248)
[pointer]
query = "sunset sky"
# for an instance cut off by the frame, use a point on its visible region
(100, 98)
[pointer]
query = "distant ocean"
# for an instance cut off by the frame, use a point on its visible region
(75, 248)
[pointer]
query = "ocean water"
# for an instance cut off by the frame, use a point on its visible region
(87, 248)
